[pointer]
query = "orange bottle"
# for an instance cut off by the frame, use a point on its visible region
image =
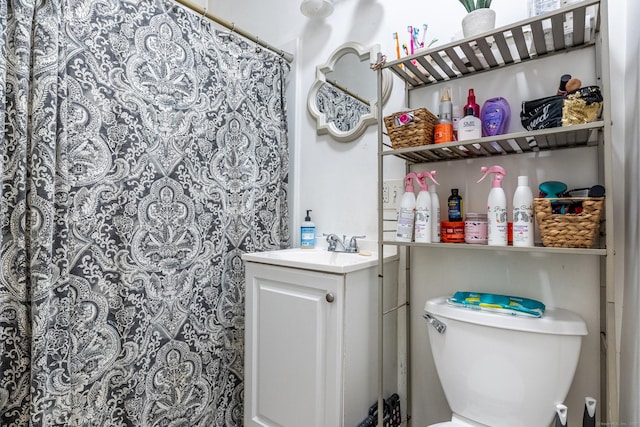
(443, 131)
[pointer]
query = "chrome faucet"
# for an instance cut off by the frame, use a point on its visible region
(335, 241)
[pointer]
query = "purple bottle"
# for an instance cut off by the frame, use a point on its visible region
(495, 116)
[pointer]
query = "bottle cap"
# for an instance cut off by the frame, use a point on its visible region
(523, 180)
(444, 95)
(308, 218)
(563, 82)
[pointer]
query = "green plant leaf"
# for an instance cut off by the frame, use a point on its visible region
(469, 5)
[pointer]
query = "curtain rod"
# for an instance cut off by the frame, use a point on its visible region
(348, 92)
(230, 25)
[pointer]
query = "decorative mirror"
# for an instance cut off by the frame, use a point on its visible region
(343, 98)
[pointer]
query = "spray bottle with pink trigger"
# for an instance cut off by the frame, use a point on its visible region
(496, 207)
(407, 210)
(424, 209)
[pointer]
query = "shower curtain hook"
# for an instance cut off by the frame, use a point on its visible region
(228, 35)
(231, 30)
(258, 48)
(204, 14)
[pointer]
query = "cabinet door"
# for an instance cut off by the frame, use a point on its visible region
(293, 347)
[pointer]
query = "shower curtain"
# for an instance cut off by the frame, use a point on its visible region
(143, 152)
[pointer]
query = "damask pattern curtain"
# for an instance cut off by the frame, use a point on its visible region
(142, 153)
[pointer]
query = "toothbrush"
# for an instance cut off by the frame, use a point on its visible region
(410, 29)
(424, 34)
(395, 37)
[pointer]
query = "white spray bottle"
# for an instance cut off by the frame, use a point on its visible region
(496, 207)
(523, 213)
(407, 210)
(435, 210)
(422, 232)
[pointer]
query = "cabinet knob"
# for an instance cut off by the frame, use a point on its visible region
(329, 297)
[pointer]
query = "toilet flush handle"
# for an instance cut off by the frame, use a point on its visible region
(440, 327)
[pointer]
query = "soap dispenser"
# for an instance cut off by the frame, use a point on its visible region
(308, 233)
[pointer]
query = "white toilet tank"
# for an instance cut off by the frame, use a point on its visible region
(504, 371)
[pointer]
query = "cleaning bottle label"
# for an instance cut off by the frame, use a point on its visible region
(307, 236)
(405, 225)
(422, 226)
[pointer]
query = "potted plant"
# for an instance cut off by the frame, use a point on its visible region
(480, 17)
(472, 5)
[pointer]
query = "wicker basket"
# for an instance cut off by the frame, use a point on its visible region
(410, 128)
(568, 230)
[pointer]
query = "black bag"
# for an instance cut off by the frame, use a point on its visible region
(581, 106)
(542, 113)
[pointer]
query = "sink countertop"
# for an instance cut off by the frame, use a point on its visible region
(319, 259)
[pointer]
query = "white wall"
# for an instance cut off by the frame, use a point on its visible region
(630, 346)
(338, 180)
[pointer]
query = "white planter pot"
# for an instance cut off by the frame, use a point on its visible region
(478, 22)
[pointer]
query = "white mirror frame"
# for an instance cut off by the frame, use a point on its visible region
(322, 126)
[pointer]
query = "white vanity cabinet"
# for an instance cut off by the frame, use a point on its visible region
(310, 344)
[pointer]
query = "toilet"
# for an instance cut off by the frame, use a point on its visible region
(499, 370)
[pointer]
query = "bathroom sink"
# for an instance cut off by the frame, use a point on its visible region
(320, 259)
